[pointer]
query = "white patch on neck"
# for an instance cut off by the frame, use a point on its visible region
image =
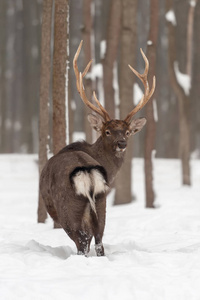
(119, 152)
(120, 149)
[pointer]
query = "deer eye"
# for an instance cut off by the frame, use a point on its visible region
(128, 133)
(108, 132)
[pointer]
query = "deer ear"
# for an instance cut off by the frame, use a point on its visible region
(137, 125)
(95, 121)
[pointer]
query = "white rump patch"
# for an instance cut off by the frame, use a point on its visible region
(90, 184)
(99, 183)
(82, 183)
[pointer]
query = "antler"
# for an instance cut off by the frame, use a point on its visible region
(147, 94)
(79, 84)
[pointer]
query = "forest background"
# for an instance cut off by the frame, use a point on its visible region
(108, 28)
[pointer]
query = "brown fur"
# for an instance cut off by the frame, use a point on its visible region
(71, 210)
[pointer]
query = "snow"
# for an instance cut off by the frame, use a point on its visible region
(149, 43)
(103, 49)
(170, 17)
(184, 80)
(150, 254)
(193, 3)
(96, 72)
(155, 110)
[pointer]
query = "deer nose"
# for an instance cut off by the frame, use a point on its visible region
(122, 144)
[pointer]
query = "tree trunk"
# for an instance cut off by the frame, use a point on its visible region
(123, 181)
(151, 122)
(195, 90)
(3, 134)
(112, 41)
(45, 78)
(190, 33)
(9, 76)
(31, 66)
(70, 112)
(87, 32)
(59, 74)
(18, 84)
(75, 34)
(189, 61)
(180, 30)
(183, 102)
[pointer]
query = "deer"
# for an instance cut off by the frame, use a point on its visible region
(75, 182)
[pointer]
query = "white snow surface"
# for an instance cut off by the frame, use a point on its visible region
(151, 254)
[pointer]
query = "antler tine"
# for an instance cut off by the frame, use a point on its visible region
(107, 117)
(147, 94)
(87, 68)
(79, 84)
(86, 101)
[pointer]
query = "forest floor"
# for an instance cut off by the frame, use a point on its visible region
(151, 254)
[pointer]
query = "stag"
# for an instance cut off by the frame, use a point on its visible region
(75, 182)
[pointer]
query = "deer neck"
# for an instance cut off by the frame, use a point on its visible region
(107, 159)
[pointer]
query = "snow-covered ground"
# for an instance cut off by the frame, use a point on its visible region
(150, 254)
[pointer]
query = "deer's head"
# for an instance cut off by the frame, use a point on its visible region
(115, 133)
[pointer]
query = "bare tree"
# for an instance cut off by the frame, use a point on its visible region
(112, 42)
(195, 88)
(31, 65)
(151, 124)
(189, 62)
(8, 69)
(123, 183)
(3, 133)
(190, 33)
(45, 77)
(59, 74)
(86, 33)
(182, 97)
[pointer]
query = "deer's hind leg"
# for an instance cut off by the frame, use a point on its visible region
(84, 234)
(100, 225)
(83, 241)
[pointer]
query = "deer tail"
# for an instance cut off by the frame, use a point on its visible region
(89, 182)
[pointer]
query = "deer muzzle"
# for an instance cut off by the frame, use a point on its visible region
(121, 145)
